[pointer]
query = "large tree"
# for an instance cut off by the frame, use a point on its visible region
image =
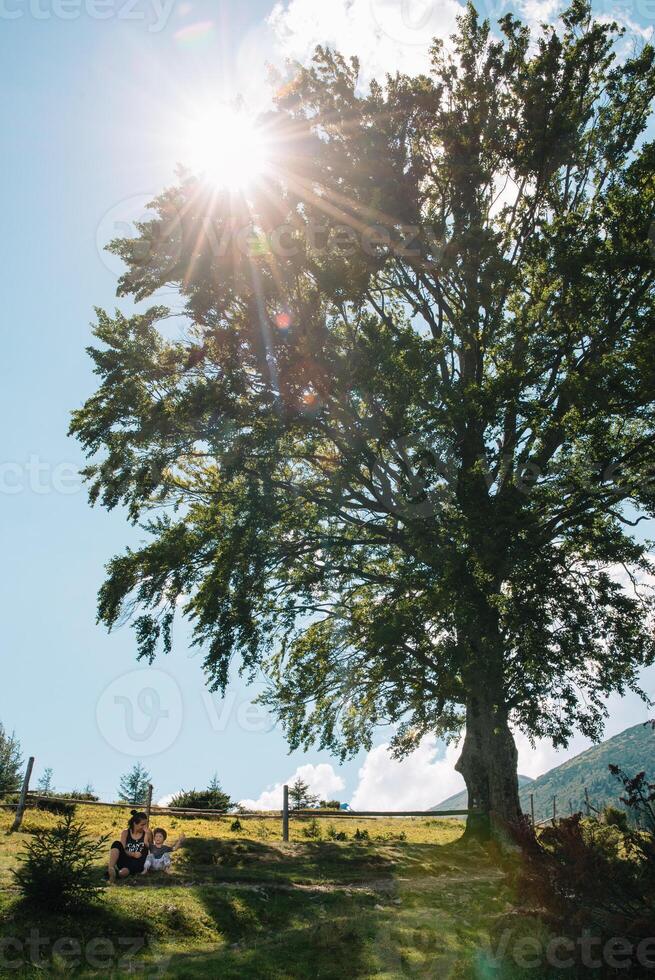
(398, 454)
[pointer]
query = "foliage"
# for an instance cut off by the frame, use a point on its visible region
(614, 817)
(45, 785)
(390, 462)
(640, 797)
(329, 804)
(577, 872)
(133, 786)
(58, 869)
(212, 798)
(313, 830)
(593, 876)
(88, 793)
(236, 825)
(11, 761)
(299, 796)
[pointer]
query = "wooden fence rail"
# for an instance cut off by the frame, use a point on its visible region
(28, 798)
(181, 811)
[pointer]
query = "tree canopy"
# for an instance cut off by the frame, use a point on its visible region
(397, 454)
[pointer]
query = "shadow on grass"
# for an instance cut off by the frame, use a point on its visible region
(41, 942)
(283, 935)
(302, 863)
(423, 911)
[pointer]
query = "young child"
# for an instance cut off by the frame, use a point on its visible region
(159, 853)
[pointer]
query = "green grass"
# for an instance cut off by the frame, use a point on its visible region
(247, 905)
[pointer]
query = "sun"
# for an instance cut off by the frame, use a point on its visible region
(226, 148)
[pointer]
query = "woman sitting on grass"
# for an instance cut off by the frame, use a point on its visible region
(128, 854)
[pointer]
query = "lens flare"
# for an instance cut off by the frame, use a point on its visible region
(226, 148)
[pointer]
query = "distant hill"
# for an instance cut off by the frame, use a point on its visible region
(460, 800)
(633, 750)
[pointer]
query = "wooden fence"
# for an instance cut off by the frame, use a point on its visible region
(28, 798)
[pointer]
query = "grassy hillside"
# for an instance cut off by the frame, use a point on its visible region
(633, 750)
(413, 899)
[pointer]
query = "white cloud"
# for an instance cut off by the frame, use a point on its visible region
(386, 35)
(417, 782)
(321, 779)
(427, 776)
(165, 800)
(395, 35)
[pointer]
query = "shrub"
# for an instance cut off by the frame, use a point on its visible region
(614, 817)
(212, 798)
(235, 825)
(57, 869)
(640, 797)
(333, 834)
(83, 794)
(313, 829)
(361, 835)
(596, 877)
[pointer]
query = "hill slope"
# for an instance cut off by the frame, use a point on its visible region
(633, 750)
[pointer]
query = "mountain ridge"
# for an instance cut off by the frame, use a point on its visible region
(633, 750)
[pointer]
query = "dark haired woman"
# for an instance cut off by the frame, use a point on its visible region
(128, 854)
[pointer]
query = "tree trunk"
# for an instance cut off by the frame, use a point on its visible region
(488, 764)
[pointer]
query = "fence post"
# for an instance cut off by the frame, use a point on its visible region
(554, 809)
(586, 800)
(149, 802)
(532, 807)
(20, 809)
(285, 814)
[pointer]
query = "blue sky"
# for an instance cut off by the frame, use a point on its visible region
(94, 97)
